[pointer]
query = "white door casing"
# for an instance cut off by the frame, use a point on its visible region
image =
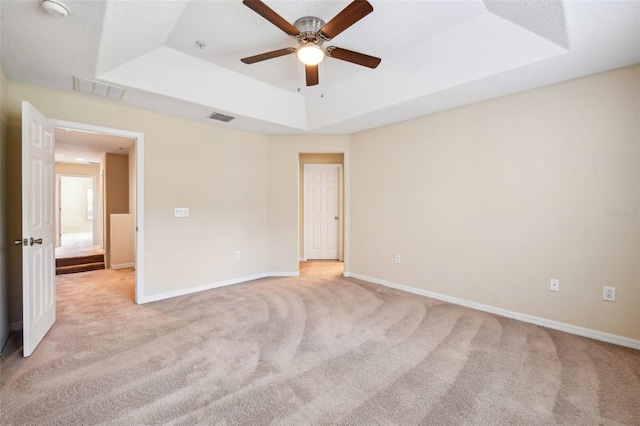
(139, 197)
(38, 227)
(322, 209)
(57, 211)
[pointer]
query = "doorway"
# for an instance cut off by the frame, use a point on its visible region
(321, 206)
(118, 156)
(77, 233)
(38, 202)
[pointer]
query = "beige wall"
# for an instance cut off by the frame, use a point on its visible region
(73, 169)
(132, 180)
(74, 204)
(14, 221)
(488, 202)
(314, 159)
(5, 244)
(121, 240)
(116, 194)
(485, 203)
(284, 192)
(220, 174)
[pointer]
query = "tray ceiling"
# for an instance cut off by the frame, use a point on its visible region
(435, 55)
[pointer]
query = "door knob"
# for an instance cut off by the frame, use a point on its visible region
(336, 218)
(33, 241)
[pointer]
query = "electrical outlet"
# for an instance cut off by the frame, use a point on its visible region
(609, 294)
(236, 255)
(554, 284)
(397, 259)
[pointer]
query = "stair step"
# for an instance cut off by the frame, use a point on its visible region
(80, 260)
(70, 269)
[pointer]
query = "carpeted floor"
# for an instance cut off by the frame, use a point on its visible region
(319, 349)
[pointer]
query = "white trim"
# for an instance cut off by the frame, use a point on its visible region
(16, 326)
(96, 129)
(58, 211)
(139, 238)
(283, 274)
(122, 265)
(556, 325)
(346, 196)
(341, 213)
(302, 259)
(232, 281)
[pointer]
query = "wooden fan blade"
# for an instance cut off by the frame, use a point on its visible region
(267, 55)
(270, 15)
(353, 57)
(312, 74)
(343, 20)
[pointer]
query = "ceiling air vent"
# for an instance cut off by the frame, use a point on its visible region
(96, 88)
(221, 117)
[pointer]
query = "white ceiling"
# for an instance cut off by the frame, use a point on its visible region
(435, 55)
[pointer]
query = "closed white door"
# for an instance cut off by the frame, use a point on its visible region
(38, 227)
(322, 211)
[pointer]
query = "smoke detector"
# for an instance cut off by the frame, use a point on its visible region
(55, 8)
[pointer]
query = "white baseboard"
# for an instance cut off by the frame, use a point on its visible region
(556, 325)
(16, 326)
(184, 292)
(122, 265)
(283, 274)
(302, 259)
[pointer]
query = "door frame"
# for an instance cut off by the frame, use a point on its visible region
(305, 206)
(139, 237)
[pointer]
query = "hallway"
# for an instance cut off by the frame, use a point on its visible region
(74, 244)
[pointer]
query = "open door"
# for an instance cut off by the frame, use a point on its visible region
(38, 227)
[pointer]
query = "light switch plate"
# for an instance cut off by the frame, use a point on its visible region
(181, 212)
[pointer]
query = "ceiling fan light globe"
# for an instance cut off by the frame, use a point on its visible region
(310, 54)
(55, 7)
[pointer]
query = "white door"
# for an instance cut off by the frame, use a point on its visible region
(38, 227)
(322, 211)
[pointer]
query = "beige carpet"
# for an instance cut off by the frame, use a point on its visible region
(319, 349)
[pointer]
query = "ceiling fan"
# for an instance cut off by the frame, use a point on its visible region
(311, 33)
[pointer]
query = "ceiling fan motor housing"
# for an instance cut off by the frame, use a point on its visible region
(309, 27)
